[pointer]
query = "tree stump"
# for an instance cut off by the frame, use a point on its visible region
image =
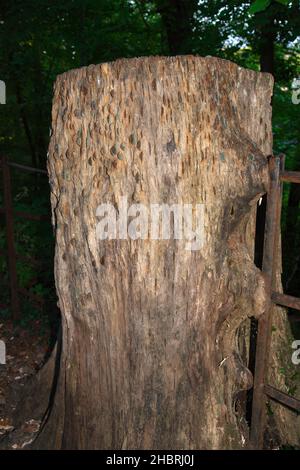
(149, 356)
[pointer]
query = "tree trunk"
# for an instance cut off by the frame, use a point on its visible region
(267, 53)
(149, 356)
(177, 18)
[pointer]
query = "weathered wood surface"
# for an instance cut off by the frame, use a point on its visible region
(150, 357)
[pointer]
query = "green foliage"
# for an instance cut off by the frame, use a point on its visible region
(41, 39)
(260, 5)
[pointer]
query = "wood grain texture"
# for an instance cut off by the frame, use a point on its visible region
(149, 355)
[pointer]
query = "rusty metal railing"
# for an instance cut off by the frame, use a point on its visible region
(262, 390)
(9, 213)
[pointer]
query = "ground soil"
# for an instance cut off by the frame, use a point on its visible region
(26, 351)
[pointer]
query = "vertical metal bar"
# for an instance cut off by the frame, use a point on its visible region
(258, 418)
(12, 267)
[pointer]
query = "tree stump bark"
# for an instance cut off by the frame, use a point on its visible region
(149, 354)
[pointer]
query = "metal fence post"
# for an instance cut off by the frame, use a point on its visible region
(12, 266)
(272, 227)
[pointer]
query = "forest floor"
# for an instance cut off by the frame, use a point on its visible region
(26, 350)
